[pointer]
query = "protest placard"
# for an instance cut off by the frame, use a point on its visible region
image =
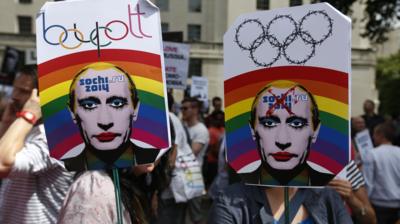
(286, 79)
(199, 88)
(101, 82)
(363, 142)
(176, 57)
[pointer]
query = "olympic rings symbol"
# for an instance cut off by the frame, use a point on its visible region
(282, 46)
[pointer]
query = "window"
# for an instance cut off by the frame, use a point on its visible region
(295, 2)
(263, 4)
(164, 27)
(194, 5)
(25, 24)
(163, 5)
(194, 33)
(195, 67)
(25, 1)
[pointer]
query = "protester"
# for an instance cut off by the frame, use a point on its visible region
(382, 174)
(91, 198)
(353, 192)
(222, 178)
(216, 113)
(216, 132)
(370, 117)
(167, 205)
(35, 184)
(23, 84)
(357, 125)
(240, 203)
(199, 141)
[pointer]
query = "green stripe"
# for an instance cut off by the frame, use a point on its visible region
(329, 120)
(59, 104)
(334, 122)
(151, 99)
(54, 106)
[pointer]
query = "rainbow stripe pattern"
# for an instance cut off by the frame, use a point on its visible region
(55, 77)
(330, 89)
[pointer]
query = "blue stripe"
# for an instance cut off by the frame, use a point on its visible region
(333, 137)
(240, 148)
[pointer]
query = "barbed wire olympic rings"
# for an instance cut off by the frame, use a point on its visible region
(282, 46)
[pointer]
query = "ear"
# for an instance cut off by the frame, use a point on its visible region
(253, 133)
(136, 111)
(315, 134)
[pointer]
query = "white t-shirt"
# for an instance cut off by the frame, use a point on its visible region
(182, 147)
(199, 133)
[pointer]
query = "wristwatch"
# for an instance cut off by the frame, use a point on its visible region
(28, 116)
(363, 211)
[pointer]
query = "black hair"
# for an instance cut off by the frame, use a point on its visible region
(31, 71)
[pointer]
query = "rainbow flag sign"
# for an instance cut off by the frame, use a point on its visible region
(101, 81)
(286, 86)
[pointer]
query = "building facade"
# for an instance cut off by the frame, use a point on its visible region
(203, 23)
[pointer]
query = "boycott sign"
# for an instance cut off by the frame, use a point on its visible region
(199, 88)
(286, 78)
(176, 58)
(101, 82)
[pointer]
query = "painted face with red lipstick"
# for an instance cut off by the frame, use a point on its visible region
(103, 107)
(284, 124)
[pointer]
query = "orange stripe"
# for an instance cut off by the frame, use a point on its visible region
(67, 73)
(315, 87)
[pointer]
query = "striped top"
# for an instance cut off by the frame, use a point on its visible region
(354, 175)
(36, 186)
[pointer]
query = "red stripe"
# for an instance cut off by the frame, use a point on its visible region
(106, 55)
(63, 147)
(148, 138)
(287, 72)
(327, 162)
(245, 159)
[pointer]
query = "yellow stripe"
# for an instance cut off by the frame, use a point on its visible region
(324, 104)
(149, 85)
(54, 92)
(61, 89)
(332, 106)
(238, 108)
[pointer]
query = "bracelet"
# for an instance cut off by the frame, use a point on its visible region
(28, 116)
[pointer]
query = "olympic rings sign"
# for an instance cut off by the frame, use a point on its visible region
(281, 46)
(94, 37)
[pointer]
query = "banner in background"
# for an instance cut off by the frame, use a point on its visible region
(176, 57)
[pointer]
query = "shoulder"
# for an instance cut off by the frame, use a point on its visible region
(240, 195)
(238, 203)
(326, 206)
(199, 127)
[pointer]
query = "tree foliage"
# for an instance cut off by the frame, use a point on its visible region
(388, 83)
(380, 16)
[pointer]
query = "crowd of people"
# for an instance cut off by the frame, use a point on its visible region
(192, 182)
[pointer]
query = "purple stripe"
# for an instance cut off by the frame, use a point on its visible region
(240, 148)
(155, 128)
(331, 151)
(64, 131)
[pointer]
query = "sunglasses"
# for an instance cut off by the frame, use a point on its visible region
(184, 108)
